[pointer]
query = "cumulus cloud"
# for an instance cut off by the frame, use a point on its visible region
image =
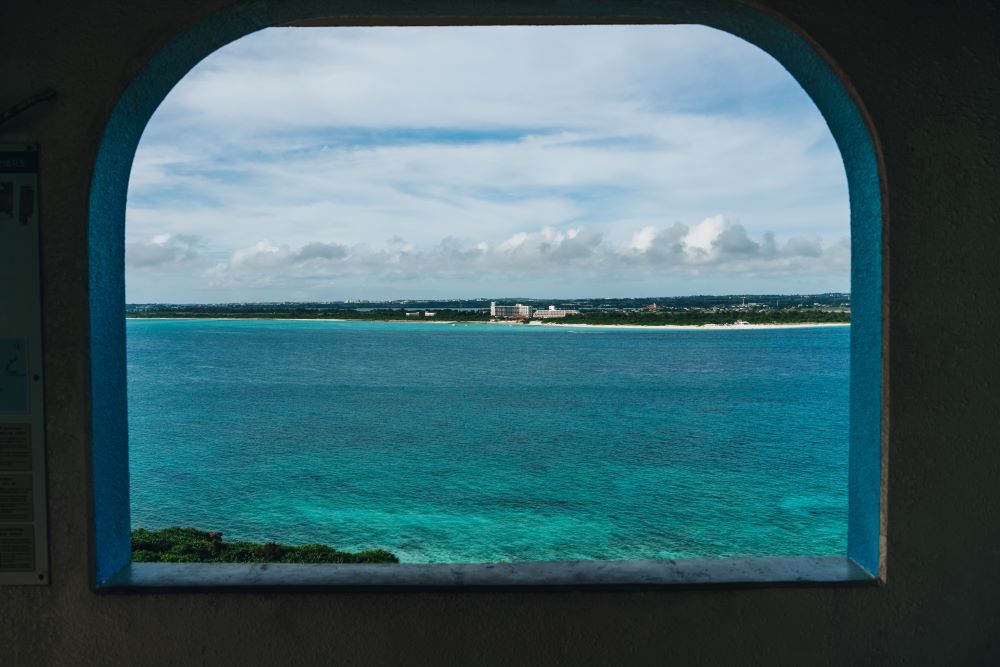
(318, 250)
(161, 250)
(733, 240)
(712, 245)
(804, 246)
(722, 247)
(527, 250)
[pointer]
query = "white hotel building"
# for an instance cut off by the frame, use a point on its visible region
(517, 311)
(554, 312)
(522, 312)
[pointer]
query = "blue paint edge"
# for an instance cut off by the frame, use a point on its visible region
(111, 521)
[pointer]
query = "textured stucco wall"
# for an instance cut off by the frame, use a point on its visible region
(929, 75)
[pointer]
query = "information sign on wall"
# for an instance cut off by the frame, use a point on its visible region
(23, 527)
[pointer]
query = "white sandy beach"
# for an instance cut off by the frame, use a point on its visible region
(689, 327)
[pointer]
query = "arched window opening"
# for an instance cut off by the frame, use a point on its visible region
(383, 222)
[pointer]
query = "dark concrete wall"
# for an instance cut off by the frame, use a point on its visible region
(929, 75)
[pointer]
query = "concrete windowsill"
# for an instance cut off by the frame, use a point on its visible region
(699, 573)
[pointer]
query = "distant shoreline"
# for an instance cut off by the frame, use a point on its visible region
(705, 327)
(714, 327)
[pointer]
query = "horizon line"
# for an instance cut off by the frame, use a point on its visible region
(506, 298)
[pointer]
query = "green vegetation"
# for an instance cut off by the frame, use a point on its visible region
(697, 317)
(190, 545)
(687, 310)
(278, 313)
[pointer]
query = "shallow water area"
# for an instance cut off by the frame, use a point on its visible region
(481, 443)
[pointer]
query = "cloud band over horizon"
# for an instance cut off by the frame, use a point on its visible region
(449, 162)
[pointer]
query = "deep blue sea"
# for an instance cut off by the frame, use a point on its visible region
(479, 442)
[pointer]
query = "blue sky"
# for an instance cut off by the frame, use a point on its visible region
(552, 161)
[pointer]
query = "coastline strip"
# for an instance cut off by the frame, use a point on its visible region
(674, 327)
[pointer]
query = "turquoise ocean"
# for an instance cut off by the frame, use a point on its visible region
(480, 442)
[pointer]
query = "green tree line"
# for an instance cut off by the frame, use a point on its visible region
(190, 545)
(694, 318)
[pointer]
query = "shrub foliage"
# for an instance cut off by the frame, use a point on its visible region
(190, 545)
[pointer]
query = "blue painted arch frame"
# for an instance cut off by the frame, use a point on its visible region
(856, 139)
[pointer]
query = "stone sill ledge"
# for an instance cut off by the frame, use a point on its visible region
(559, 575)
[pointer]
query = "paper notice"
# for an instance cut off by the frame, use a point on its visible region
(15, 447)
(16, 493)
(17, 548)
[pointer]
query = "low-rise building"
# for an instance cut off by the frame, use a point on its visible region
(552, 311)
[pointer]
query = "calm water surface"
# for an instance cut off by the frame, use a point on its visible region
(479, 442)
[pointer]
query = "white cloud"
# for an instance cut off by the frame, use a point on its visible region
(300, 151)
(162, 250)
(701, 238)
(643, 239)
(441, 77)
(676, 250)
